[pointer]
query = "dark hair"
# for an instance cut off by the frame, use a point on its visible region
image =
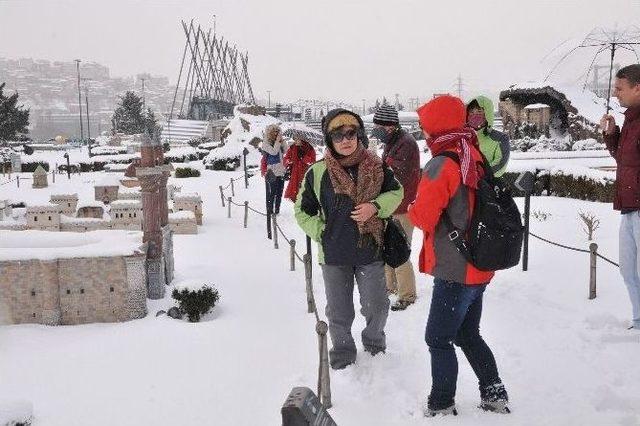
(630, 73)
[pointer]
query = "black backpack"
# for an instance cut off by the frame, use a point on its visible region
(493, 240)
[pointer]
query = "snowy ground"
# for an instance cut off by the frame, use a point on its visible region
(565, 360)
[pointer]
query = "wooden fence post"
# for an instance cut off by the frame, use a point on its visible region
(246, 213)
(593, 248)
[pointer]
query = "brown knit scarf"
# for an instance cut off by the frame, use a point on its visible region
(367, 188)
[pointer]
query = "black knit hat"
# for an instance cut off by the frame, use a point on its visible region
(386, 115)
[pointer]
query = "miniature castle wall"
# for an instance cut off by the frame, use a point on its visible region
(68, 203)
(74, 291)
(189, 202)
(126, 214)
(183, 222)
(44, 217)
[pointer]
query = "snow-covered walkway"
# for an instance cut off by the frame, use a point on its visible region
(565, 360)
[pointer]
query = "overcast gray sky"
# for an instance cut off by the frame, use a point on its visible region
(333, 49)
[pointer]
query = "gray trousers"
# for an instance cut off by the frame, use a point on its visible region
(338, 286)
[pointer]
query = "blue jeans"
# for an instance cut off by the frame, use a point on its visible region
(629, 262)
(274, 194)
(454, 317)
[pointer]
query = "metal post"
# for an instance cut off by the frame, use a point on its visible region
(269, 225)
(229, 207)
(18, 181)
(233, 191)
(66, 155)
(79, 101)
(308, 278)
(324, 383)
(222, 195)
(525, 246)
(53, 176)
(275, 231)
(292, 254)
(593, 248)
(246, 213)
(245, 152)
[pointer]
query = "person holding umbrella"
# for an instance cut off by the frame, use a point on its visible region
(297, 160)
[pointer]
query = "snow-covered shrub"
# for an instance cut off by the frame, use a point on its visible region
(186, 172)
(564, 183)
(588, 145)
(541, 144)
(31, 166)
(197, 141)
(195, 299)
(227, 157)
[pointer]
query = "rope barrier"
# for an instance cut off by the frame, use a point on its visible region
(607, 260)
(558, 244)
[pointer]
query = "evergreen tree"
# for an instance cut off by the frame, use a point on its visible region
(129, 117)
(14, 119)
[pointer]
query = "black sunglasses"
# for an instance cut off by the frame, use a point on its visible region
(338, 137)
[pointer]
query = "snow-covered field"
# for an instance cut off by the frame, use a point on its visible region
(565, 360)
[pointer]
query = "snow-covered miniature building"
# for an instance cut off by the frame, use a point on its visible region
(90, 209)
(106, 190)
(106, 193)
(130, 194)
(69, 278)
(183, 222)
(126, 214)
(40, 177)
(83, 224)
(68, 203)
(45, 217)
(188, 202)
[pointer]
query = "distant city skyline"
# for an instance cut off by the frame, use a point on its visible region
(338, 49)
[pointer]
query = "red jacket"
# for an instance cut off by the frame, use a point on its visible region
(403, 156)
(624, 146)
(298, 158)
(441, 189)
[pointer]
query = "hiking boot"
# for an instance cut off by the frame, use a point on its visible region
(440, 410)
(374, 351)
(494, 398)
(401, 305)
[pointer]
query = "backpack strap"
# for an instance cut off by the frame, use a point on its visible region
(455, 235)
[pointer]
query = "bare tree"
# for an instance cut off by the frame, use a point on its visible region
(591, 223)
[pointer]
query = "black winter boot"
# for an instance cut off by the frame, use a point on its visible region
(494, 398)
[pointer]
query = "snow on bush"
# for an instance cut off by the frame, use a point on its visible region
(195, 298)
(588, 145)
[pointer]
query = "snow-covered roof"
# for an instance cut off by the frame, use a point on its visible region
(90, 203)
(536, 106)
(80, 220)
(182, 215)
(125, 204)
(73, 196)
(187, 196)
(42, 206)
(43, 245)
(109, 179)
